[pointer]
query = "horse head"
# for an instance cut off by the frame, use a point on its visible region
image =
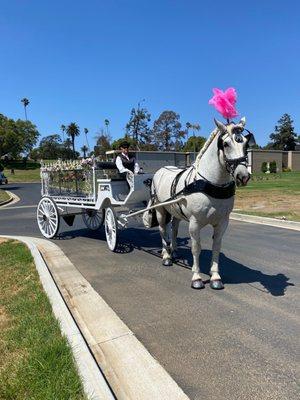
(232, 147)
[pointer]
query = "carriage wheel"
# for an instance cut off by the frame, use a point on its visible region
(111, 229)
(93, 219)
(47, 217)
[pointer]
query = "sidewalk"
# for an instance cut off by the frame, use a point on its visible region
(129, 369)
(266, 221)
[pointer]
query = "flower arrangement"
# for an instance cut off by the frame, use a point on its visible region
(69, 165)
(224, 102)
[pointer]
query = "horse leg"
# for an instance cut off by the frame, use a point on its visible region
(175, 226)
(215, 279)
(161, 215)
(194, 230)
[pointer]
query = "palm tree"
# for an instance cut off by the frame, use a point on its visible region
(25, 102)
(106, 122)
(72, 131)
(194, 127)
(84, 149)
(63, 129)
(86, 131)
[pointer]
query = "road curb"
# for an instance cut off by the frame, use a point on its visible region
(131, 371)
(254, 219)
(3, 203)
(95, 385)
(12, 200)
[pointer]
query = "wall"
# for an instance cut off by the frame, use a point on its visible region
(285, 159)
(260, 156)
(294, 160)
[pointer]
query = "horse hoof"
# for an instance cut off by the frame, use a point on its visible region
(216, 284)
(167, 262)
(197, 284)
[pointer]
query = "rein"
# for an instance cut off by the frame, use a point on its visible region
(232, 163)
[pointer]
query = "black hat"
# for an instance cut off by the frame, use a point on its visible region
(124, 144)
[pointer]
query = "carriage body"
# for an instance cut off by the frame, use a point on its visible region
(97, 192)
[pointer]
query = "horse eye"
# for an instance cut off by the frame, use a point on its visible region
(225, 144)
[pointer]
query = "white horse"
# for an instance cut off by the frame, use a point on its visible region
(208, 200)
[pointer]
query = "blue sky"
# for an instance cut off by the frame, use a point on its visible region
(85, 61)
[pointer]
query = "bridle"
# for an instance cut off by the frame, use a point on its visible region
(232, 163)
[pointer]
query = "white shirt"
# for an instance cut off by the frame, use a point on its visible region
(121, 167)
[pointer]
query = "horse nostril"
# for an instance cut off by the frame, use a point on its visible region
(243, 179)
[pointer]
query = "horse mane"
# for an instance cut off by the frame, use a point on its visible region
(205, 147)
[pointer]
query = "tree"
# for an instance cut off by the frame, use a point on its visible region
(103, 143)
(66, 152)
(194, 143)
(116, 144)
(106, 122)
(86, 131)
(167, 131)
(84, 149)
(73, 131)
(34, 154)
(63, 129)
(68, 143)
(16, 137)
(284, 137)
(137, 128)
(50, 147)
(194, 127)
(25, 103)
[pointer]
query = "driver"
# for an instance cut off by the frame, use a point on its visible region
(126, 162)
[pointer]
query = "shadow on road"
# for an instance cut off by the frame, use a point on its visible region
(232, 271)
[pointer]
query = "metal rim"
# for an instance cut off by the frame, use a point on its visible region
(93, 219)
(111, 229)
(47, 217)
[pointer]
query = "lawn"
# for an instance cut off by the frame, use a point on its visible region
(36, 362)
(3, 195)
(23, 175)
(271, 195)
(285, 181)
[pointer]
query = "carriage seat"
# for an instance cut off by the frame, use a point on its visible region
(106, 165)
(111, 170)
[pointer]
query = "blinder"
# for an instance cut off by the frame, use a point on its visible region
(232, 164)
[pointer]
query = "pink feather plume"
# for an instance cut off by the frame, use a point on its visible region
(224, 102)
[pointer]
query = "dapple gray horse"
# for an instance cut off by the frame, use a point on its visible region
(221, 166)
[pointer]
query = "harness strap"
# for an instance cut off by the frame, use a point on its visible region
(173, 193)
(216, 191)
(202, 185)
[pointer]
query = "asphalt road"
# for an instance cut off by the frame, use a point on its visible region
(239, 343)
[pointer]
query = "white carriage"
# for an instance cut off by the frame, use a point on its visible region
(96, 191)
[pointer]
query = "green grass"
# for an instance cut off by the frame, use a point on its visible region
(3, 195)
(23, 175)
(285, 181)
(36, 362)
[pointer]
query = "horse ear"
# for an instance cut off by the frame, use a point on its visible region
(243, 121)
(222, 128)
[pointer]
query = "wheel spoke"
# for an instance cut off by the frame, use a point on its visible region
(47, 217)
(51, 223)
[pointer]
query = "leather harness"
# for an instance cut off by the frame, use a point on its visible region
(200, 186)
